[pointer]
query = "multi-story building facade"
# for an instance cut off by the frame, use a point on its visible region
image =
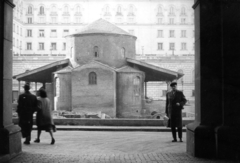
(164, 31)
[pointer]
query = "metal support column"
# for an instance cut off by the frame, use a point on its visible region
(145, 89)
(19, 87)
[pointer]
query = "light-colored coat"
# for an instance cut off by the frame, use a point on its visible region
(44, 114)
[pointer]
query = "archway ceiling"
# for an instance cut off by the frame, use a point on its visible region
(154, 73)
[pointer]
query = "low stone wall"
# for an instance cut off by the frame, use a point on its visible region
(109, 122)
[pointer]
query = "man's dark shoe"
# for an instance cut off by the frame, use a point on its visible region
(37, 141)
(26, 142)
(180, 140)
(174, 140)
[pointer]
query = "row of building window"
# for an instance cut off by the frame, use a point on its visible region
(41, 33)
(53, 20)
(131, 10)
(66, 20)
(172, 11)
(53, 33)
(41, 45)
(54, 46)
(172, 33)
(78, 20)
(41, 10)
(172, 21)
(172, 46)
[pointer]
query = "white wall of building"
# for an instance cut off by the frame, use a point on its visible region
(144, 24)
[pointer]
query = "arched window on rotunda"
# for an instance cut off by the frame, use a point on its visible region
(136, 85)
(92, 78)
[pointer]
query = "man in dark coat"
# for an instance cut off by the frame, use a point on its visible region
(174, 105)
(27, 104)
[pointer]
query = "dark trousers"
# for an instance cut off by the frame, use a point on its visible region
(26, 129)
(28, 138)
(179, 129)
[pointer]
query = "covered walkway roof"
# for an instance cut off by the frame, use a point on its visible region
(154, 73)
(42, 74)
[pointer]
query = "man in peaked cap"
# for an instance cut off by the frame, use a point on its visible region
(175, 100)
(27, 104)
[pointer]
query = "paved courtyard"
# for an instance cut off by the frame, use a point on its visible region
(105, 146)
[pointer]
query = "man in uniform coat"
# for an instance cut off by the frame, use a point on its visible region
(27, 104)
(175, 100)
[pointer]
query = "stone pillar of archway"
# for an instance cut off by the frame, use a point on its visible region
(215, 131)
(10, 136)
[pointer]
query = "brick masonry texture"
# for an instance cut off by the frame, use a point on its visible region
(112, 158)
(108, 147)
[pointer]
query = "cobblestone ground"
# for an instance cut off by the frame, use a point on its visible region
(106, 147)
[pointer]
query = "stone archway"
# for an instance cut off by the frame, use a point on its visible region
(215, 131)
(10, 136)
(216, 128)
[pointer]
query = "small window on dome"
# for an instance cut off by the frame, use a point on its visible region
(96, 53)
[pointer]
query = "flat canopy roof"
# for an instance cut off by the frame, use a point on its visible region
(154, 73)
(42, 74)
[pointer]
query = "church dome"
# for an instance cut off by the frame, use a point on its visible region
(101, 26)
(101, 41)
